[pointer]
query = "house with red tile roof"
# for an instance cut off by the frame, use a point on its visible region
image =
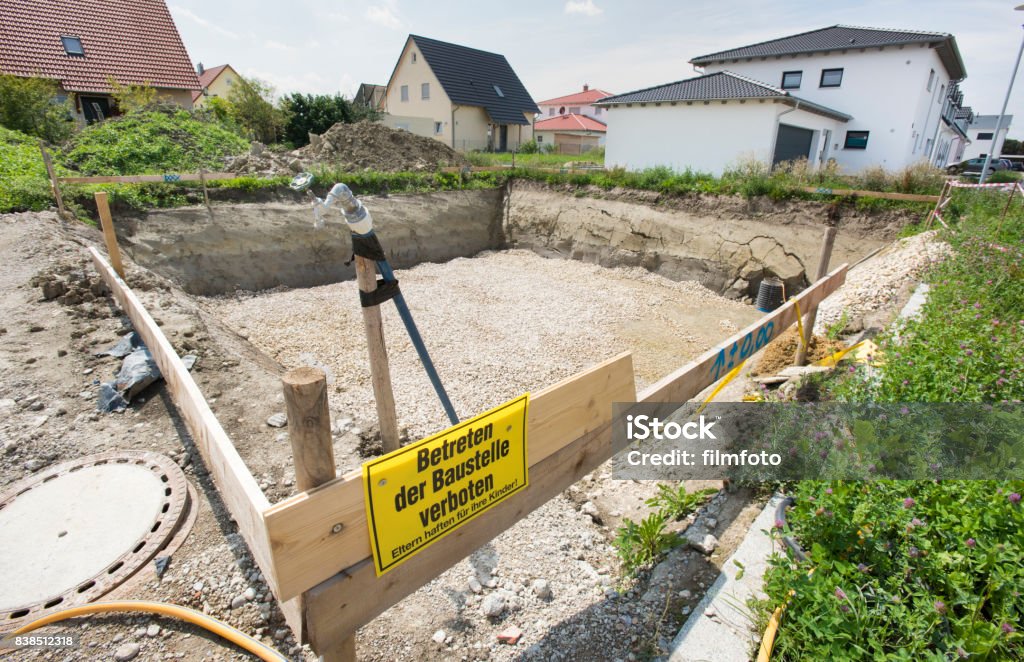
(85, 43)
(577, 103)
(214, 82)
(570, 133)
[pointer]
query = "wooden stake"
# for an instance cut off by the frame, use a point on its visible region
(202, 180)
(53, 179)
(812, 314)
(109, 237)
(309, 431)
(309, 426)
(366, 276)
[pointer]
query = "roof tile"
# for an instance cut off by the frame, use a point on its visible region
(132, 41)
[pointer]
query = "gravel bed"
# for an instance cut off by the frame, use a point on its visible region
(496, 325)
(874, 284)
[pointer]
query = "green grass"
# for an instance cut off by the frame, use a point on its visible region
(151, 143)
(24, 185)
(538, 160)
(922, 570)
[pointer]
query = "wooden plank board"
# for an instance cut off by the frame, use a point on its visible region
(141, 179)
(911, 197)
(305, 548)
(242, 496)
(709, 367)
(338, 607)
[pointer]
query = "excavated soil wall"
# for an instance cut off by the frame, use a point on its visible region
(727, 244)
(262, 246)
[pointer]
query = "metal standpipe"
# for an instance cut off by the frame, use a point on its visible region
(360, 223)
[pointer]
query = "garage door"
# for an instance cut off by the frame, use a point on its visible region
(792, 143)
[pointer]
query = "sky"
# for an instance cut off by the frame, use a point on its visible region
(555, 46)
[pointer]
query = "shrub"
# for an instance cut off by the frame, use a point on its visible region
(24, 184)
(133, 98)
(34, 107)
(874, 178)
(528, 147)
(921, 177)
(171, 140)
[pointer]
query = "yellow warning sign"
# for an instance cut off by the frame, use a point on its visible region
(418, 494)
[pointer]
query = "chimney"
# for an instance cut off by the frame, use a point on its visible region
(585, 87)
(199, 68)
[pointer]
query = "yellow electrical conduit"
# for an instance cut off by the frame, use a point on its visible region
(192, 616)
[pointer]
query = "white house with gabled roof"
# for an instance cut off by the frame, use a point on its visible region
(862, 96)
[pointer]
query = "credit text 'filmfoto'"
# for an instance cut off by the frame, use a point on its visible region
(644, 427)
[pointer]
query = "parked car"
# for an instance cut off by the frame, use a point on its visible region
(974, 166)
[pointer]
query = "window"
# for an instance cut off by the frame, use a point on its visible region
(597, 110)
(985, 136)
(73, 46)
(931, 81)
(791, 80)
(414, 58)
(856, 140)
(405, 93)
(497, 90)
(425, 91)
(942, 91)
(438, 128)
(551, 111)
(229, 81)
(575, 110)
(540, 138)
(561, 111)
(831, 77)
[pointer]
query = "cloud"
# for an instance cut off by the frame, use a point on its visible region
(586, 7)
(199, 20)
(276, 45)
(384, 16)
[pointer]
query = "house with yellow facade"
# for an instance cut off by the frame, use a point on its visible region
(467, 98)
(215, 82)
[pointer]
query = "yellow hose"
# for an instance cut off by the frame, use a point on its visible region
(768, 640)
(237, 637)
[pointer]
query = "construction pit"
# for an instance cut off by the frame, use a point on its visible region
(512, 291)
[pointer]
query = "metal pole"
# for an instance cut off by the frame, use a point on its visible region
(999, 122)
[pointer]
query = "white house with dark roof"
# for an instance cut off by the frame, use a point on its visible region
(861, 96)
(981, 130)
(467, 98)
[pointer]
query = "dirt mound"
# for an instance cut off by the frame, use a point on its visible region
(352, 147)
(781, 352)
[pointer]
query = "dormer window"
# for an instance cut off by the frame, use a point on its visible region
(497, 90)
(72, 46)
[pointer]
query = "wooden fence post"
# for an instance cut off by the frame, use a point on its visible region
(54, 185)
(380, 370)
(109, 236)
(309, 431)
(811, 316)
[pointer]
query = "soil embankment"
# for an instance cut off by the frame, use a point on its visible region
(262, 246)
(728, 244)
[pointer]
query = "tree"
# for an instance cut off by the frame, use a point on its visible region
(1011, 146)
(34, 106)
(317, 113)
(253, 110)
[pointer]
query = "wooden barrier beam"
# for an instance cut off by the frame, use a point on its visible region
(109, 235)
(338, 607)
(236, 485)
(318, 533)
(910, 197)
(143, 179)
(709, 367)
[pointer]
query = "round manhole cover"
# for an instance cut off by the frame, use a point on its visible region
(75, 531)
